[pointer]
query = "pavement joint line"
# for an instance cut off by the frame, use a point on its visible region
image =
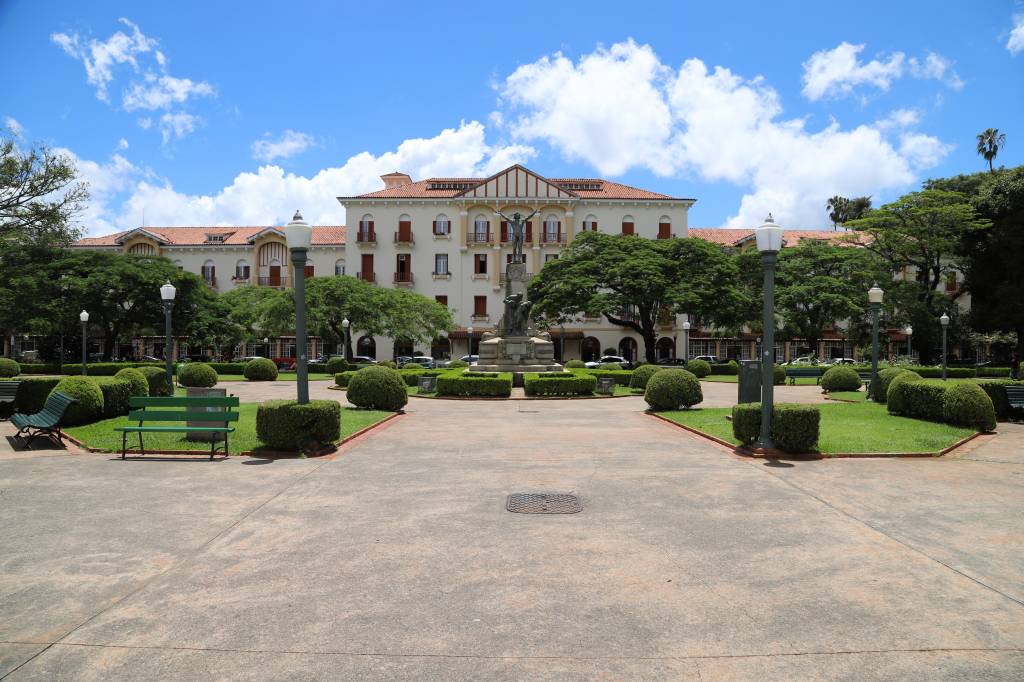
(895, 539)
(685, 657)
(181, 561)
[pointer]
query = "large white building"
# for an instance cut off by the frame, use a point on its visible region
(440, 237)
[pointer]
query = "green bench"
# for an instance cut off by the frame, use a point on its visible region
(1015, 396)
(8, 391)
(794, 373)
(865, 378)
(199, 409)
(46, 421)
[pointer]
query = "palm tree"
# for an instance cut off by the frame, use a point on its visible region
(837, 207)
(989, 144)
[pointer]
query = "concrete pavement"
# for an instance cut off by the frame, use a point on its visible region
(397, 559)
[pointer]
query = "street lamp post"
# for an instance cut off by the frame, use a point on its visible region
(686, 341)
(266, 346)
(944, 321)
(909, 331)
(469, 342)
(561, 345)
(345, 324)
(167, 292)
(84, 317)
(875, 295)
(769, 242)
(299, 234)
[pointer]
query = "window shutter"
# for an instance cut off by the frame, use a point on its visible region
(627, 228)
(593, 226)
(435, 227)
(664, 230)
(529, 230)
(370, 223)
(559, 230)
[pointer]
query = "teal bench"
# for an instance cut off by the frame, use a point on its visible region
(1015, 396)
(865, 378)
(46, 421)
(146, 410)
(8, 391)
(794, 373)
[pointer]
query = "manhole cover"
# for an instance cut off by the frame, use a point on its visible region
(543, 503)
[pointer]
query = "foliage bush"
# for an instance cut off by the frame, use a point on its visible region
(286, 425)
(641, 375)
(336, 365)
(778, 375)
(157, 379)
(39, 368)
(996, 391)
(197, 375)
(699, 368)
(342, 378)
(795, 428)
(840, 378)
(920, 399)
(895, 396)
(885, 377)
(455, 364)
(390, 364)
(260, 369)
(9, 368)
(570, 364)
(32, 393)
(228, 367)
(476, 384)
(731, 368)
(609, 366)
(378, 388)
(411, 377)
(105, 369)
(89, 407)
(951, 372)
(413, 365)
(621, 376)
(116, 392)
(968, 405)
(137, 384)
(994, 372)
(671, 388)
(558, 383)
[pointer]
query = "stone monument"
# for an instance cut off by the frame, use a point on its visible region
(515, 346)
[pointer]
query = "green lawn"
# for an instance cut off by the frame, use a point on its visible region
(102, 435)
(852, 428)
(855, 396)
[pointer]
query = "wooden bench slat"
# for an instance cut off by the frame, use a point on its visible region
(181, 401)
(175, 429)
(181, 416)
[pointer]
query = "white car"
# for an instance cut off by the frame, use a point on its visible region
(605, 359)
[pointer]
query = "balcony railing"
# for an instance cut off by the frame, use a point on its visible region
(367, 276)
(366, 236)
(403, 278)
(546, 238)
(402, 237)
(502, 278)
(277, 282)
(479, 237)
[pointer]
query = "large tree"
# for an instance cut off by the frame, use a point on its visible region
(990, 141)
(634, 282)
(842, 210)
(40, 195)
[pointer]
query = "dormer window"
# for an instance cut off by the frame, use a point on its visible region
(216, 238)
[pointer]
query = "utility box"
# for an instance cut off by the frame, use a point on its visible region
(205, 393)
(749, 381)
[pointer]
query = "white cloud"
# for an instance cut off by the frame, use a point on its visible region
(161, 92)
(145, 123)
(122, 144)
(621, 108)
(1015, 43)
(106, 182)
(177, 125)
(270, 195)
(289, 144)
(836, 73)
(100, 57)
(899, 118)
(16, 128)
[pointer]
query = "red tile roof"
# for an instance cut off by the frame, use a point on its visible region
(421, 190)
(736, 236)
(323, 235)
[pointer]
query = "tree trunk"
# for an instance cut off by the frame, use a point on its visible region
(650, 341)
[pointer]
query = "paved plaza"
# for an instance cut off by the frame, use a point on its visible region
(396, 558)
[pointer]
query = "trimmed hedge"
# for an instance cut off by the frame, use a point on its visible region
(671, 388)
(411, 377)
(885, 377)
(342, 378)
(778, 375)
(731, 368)
(336, 365)
(951, 372)
(609, 366)
(919, 400)
(996, 391)
(413, 365)
(157, 378)
(699, 368)
(197, 375)
(840, 378)
(104, 369)
(260, 369)
(137, 384)
(621, 376)
(39, 368)
(116, 392)
(476, 384)
(641, 375)
(227, 367)
(571, 364)
(968, 405)
(390, 364)
(795, 428)
(455, 364)
(89, 407)
(378, 388)
(895, 396)
(9, 368)
(33, 392)
(995, 372)
(286, 425)
(558, 383)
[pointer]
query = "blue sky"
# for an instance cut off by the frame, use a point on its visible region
(239, 112)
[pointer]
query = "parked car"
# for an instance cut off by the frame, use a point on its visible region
(402, 359)
(710, 359)
(362, 360)
(805, 360)
(605, 359)
(423, 360)
(842, 361)
(672, 362)
(471, 359)
(150, 358)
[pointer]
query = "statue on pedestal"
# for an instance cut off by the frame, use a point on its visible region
(517, 315)
(517, 227)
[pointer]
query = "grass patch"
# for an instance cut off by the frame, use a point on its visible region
(101, 434)
(853, 428)
(855, 396)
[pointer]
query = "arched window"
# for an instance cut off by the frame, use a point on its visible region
(339, 267)
(403, 347)
(628, 226)
(142, 249)
(590, 349)
(178, 264)
(442, 225)
(552, 230)
(627, 348)
(589, 223)
(404, 228)
(665, 348)
(242, 270)
(366, 230)
(664, 227)
(366, 346)
(481, 229)
(210, 272)
(441, 348)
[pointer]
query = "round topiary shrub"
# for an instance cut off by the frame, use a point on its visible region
(840, 378)
(197, 375)
(671, 388)
(778, 375)
(571, 364)
(156, 377)
(968, 405)
(137, 384)
(378, 388)
(9, 368)
(642, 374)
(456, 364)
(885, 377)
(89, 407)
(260, 369)
(610, 366)
(699, 368)
(896, 400)
(413, 365)
(390, 364)
(336, 365)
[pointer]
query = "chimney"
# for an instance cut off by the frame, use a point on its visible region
(396, 179)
